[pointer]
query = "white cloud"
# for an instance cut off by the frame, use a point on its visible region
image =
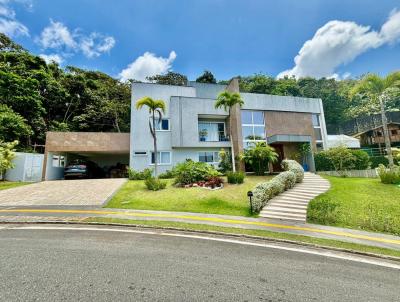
(60, 37)
(338, 43)
(96, 44)
(9, 25)
(56, 35)
(52, 58)
(147, 65)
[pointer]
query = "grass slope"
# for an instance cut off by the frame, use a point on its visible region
(360, 203)
(231, 200)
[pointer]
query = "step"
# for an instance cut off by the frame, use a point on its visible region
(289, 206)
(285, 210)
(310, 191)
(282, 217)
(288, 199)
(294, 215)
(299, 195)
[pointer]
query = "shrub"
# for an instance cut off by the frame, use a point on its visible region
(389, 175)
(155, 184)
(167, 174)
(322, 162)
(376, 161)
(361, 161)
(265, 191)
(225, 161)
(288, 178)
(322, 211)
(235, 177)
(295, 167)
(214, 181)
(190, 172)
(137, 175)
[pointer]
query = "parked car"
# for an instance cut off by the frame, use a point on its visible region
(81, 168)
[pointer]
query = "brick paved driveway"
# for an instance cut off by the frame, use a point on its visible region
(83, 192)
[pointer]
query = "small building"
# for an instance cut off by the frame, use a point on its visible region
(342, 140)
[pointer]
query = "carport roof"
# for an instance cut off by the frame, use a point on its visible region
(104, 142)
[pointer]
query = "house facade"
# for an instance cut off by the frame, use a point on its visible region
(192, 128)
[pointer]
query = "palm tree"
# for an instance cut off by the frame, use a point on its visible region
(258, 156)
(227, 100)
(156, 110)
(378, 89)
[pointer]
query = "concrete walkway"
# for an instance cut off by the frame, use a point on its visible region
(82, 192)
(80, 214)
(292, 204)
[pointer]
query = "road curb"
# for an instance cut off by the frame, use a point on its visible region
(215, 233)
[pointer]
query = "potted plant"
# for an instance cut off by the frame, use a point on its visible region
(203, 134)
(304, 150)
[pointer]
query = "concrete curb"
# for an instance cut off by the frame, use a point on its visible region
(215, 233)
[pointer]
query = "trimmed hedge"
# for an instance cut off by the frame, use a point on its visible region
(265, 191)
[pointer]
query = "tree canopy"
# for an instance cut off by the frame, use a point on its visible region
(206, 77)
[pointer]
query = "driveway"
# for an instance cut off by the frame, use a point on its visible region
(83, 192)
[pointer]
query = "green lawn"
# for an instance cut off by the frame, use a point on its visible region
(359, 203)
(10, 184)
(231, 200)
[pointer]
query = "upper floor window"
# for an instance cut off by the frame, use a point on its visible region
(253, 126)
(162, 125)
(317, 127)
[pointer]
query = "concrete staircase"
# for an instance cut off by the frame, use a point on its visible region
(292, 204)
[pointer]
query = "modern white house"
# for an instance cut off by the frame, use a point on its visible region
(192, 128)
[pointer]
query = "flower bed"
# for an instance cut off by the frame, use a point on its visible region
(263, 192)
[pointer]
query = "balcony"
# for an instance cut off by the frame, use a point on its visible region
(210, 131)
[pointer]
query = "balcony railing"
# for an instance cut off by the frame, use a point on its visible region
(214, 137)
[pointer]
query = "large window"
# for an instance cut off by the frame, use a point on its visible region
(212, 131)
(253, 127)
(162, 125)
(317, 127)
(163, 158)
(211, 157)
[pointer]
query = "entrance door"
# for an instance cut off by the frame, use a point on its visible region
(277, 165)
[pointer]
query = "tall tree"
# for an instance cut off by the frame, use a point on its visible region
(156, 110)
(12, 125)
(379, 90)
(206, 77)
(170, 78)
(227, 100)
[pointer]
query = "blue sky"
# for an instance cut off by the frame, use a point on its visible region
(228, 37)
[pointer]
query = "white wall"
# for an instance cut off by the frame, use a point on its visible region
(53, 173)
(28, 167)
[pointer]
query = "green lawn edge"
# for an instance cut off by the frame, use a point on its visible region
(327, 243)
(4, 185)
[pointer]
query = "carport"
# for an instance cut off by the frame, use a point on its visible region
(106, 149)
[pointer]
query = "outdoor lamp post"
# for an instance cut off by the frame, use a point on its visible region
(250, 195)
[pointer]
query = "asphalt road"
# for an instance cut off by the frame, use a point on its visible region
(85, 265)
